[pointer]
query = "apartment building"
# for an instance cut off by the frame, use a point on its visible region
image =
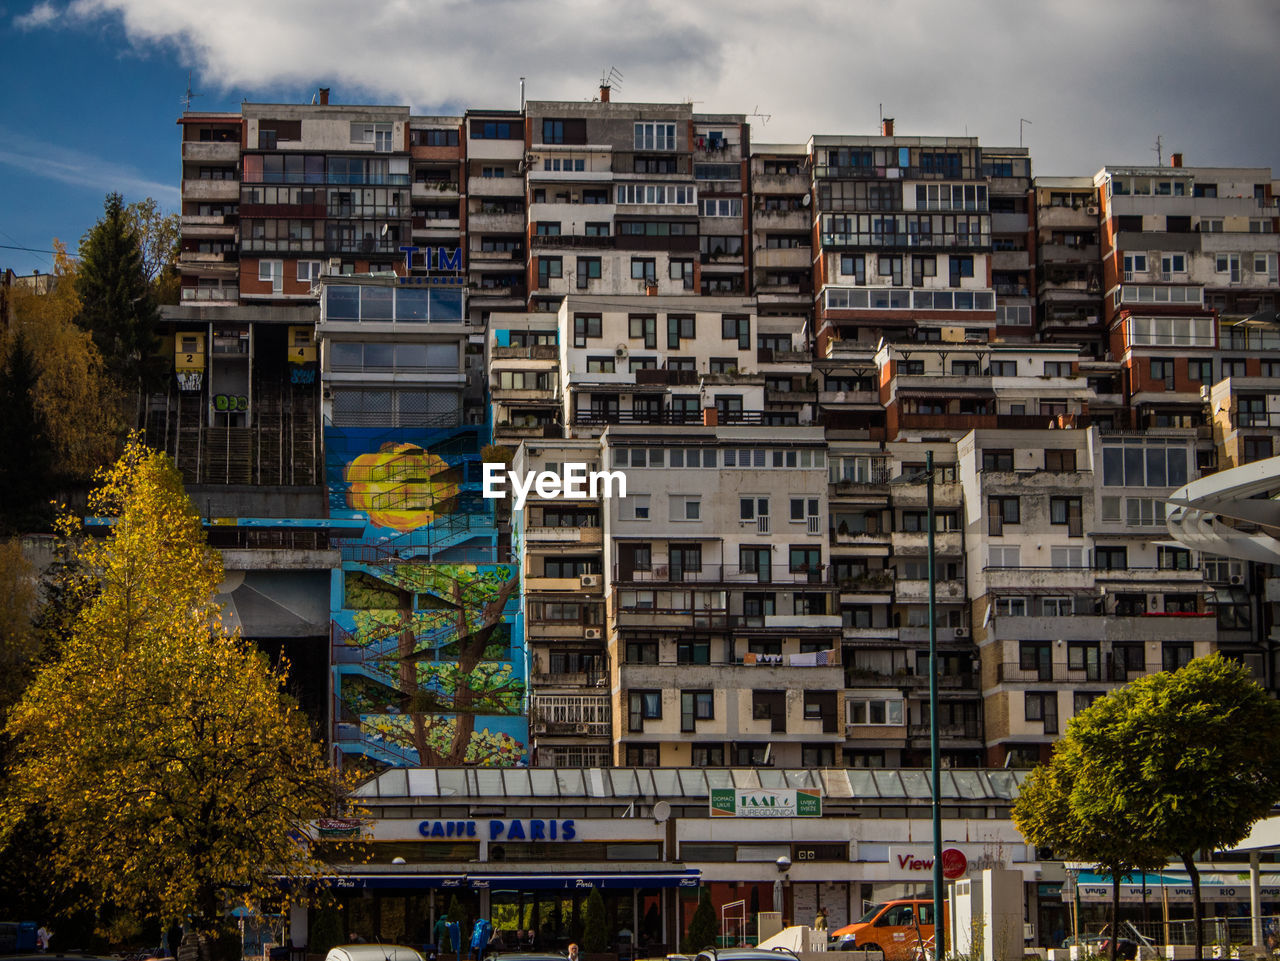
(724, 638)
(902, 238)
(1066, 217)
(1013, 262)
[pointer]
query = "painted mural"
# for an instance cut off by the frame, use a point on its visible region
(428, 646)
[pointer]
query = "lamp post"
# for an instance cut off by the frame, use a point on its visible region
(939, 918)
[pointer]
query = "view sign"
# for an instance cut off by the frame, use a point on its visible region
(762, 803)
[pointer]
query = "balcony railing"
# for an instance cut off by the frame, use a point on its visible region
(719, 574)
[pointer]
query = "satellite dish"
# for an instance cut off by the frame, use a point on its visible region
(661, 811)
(385, 228)
(804, 201)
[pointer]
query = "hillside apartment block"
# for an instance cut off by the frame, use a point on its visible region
(767, 338)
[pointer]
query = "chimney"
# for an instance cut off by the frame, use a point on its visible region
(1175, 159)
(886, 127)
(604, 93)
(324, 96)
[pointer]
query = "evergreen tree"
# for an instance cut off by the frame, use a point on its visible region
(117, 304)
(26, 459)
(702, 926)
(595, 936)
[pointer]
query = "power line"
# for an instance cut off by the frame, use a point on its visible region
(32, 250)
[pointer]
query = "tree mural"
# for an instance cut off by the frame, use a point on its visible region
(437, 635)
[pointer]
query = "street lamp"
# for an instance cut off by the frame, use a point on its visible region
(939, 927)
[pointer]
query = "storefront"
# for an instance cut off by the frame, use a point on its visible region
(525, 847)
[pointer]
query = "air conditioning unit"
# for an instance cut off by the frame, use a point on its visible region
(594, 633)
(589, 580)
(1237, 579)
(962, 632)
(1091, 210)
(621, 351)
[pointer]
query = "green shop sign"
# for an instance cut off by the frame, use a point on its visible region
(744, 803)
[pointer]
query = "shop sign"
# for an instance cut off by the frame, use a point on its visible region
(744, 803)
(332, 829)
(954, 862)
(532, 829)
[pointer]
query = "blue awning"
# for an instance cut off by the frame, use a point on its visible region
(571, 882)
(349, 882)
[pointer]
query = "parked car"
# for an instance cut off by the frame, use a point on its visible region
(894, 928)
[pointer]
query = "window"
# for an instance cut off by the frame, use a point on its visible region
(1201, 370)
(685, 507)
(1134, 264)
(1233, 367)
(1085, 657)
(750, 508)
(1138, 465)
(600, 365)
(1005, 556)
(1056, 607)
(1173, 264)
(1254, 449)
(1004, 368)
(736, 328)
(588, 270)
(643, 706)
(585, 326)
(854, 266)
(964, 368)
(695, 706)
(272, 272)
(549, 267)
(644, 268)
(1162, 369)
(308, 271)
(693, 652)
(496, 130)
(1043, 706)
(1059, 461)
(874, 712)
(1111, 558)
(997, 459)
(802, 508)
(639, 193)
(961, 267)
(1002, 511)
(655, 136)
(679, 328)
(1174, 656)
(805, 560)
(721, 207)
(1066, 510)
(1066, 557)
(1144, 512)
(708, 755)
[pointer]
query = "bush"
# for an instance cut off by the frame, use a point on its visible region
(702, 926)
(595, 934)
(326, 931)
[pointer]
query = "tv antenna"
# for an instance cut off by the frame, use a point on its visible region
(764, 117)
(612, 78)
(1159, 152)
(1022, 122)
(186, 100)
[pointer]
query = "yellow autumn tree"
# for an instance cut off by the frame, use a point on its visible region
(80, 405)
(172, 772)
(19, 645)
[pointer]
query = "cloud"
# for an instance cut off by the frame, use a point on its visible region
(41, 15)
(80, 169)
(1099, 81)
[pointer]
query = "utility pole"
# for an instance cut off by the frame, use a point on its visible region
(1159, 149)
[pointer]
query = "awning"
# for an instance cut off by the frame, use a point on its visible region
(1214, 886)
(349, 882)
(572, 882)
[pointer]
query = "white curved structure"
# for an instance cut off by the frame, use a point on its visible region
(1246, 493)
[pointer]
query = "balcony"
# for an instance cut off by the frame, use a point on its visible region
(1079, 217)
(917, 542)
(798, 219)
(509, 394)
(577, 679)
(495, 187)
(436, 190)
(1105, 628)
(572, 242)
(964, 732)
(1060, 578)
(199, 151)
(907, 591)
(536, 352)
(797, 183)
(542, 536)
(945, 494)
(495, 222)
(766, 355)
(1051, 254)
(794, 258)
(210, 294)
(946, 422)
(211, 190)
(587, 584)
(719, 574)
(196, 257)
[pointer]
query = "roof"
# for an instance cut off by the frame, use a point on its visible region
(684, 783)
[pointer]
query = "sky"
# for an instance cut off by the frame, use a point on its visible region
(94, 86)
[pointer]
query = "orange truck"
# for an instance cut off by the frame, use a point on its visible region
(893, 927)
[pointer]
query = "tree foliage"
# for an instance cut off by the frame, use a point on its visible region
(26, 455)
(19, 643)
(170, 770)
(702, 926)
(117, 304)
(159, 238)
(73, 396)
(595, 931)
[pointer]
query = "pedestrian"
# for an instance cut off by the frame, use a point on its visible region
(440, 933)
(496, 943)
(42, 938)
(530, 940)
(820, 922)
(573, 952)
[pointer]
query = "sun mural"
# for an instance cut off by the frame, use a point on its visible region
(402, 486)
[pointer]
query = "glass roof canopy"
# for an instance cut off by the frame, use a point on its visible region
(676, 784)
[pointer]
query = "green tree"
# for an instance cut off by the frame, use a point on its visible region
(26, 454)
(595, 932)
(117, 305)
(172, 773)
(1061, 806)
(1192, 756)
(159, 240)
(326, 930)
(702, 926)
